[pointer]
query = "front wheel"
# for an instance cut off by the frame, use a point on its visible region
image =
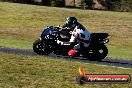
(96, 52)
(41, 48)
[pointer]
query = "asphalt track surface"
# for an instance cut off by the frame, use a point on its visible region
(107, 61)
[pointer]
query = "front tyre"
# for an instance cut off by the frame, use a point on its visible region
(41, 48)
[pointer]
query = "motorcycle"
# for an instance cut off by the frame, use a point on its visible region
(48, 44)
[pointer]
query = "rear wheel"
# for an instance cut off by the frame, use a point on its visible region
(41, 48)
(96, 53)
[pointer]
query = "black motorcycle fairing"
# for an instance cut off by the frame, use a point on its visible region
(50, 33)
(99, 35)
(97, 38)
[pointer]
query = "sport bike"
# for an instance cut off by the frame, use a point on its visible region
(47, 43)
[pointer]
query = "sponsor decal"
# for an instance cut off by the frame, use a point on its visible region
(101, 78)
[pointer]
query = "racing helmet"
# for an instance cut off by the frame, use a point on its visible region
(71, 21)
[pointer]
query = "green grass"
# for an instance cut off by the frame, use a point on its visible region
(18, 71)
(21, 25)
(120, 53)
(20, 44)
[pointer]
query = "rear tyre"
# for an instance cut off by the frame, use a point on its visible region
(101, 52)
(41, 48)
(96, 53)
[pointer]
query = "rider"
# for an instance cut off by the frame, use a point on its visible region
(79, 34)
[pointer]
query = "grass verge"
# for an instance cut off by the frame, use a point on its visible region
(12, 43)
(46, 72)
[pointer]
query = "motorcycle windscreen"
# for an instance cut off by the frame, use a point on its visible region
(46, 32)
